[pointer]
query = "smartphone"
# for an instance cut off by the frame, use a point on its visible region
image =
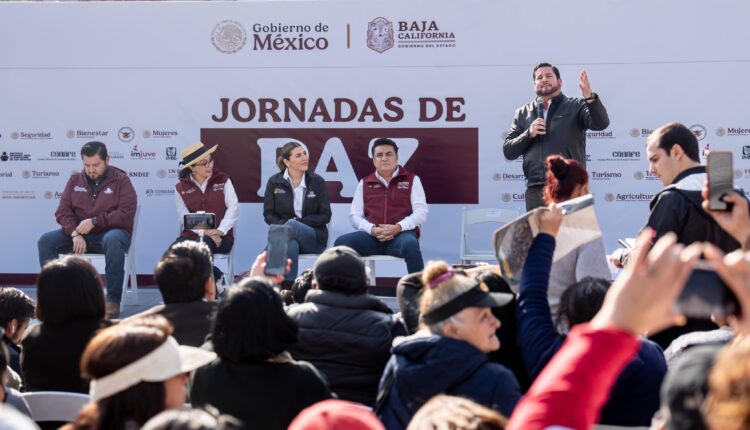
(278, 246)
(199, 221)
(705, 294)
(720, 177)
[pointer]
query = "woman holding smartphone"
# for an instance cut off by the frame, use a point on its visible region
(202, 187)
(298, 199)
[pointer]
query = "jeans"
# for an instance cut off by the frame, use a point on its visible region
(405, 245)
(302, 240)
(113, 243)
(224, 248)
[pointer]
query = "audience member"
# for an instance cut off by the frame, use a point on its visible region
(343, 331)
(568, 179)
(450, 355)
(456, 413)
(10, 396)
(96, 214)
(185, 281)
(410, 286)
(728, 402)
(576, 383)
(70, 307)
(298, 199)
(16, 310)
(336, 415)
(254, 379)
(684, 390)
(387, 209)
(302, 284)
(674, 157)
(635, 397)
(137, 370)
(194, 419)
(202, 187)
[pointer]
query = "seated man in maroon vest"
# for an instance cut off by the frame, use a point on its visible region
(387, 210)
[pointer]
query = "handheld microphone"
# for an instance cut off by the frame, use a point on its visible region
(540, 107)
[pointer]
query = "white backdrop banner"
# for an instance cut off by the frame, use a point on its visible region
(443, 78)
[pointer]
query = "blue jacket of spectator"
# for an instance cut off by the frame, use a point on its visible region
(635, 397)
(424, 366)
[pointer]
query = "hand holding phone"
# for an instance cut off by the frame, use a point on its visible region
(705, 294)
(720, 179)
(199, 221)
(278, 246)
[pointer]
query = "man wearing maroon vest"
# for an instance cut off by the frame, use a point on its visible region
(387, 210)
(96, 214)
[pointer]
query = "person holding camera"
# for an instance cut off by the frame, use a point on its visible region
(298, 200)
(202, 187)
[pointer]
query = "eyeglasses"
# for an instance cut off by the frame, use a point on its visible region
(205, 163)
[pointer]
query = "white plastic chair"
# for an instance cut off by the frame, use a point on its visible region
(227, 259)
(55, 405)
(129, 295)
(370, 265)
(476, 216)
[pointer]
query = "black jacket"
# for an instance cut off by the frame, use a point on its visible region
(422, 367)
(567, 120)
(348, 338)
(51, 355)
(278, 203)
(677, 208)
(263, 395)
(191, 320)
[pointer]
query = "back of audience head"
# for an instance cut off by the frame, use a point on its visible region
(336, 414)
(69, 289)
(123, 400)
(302, 284)
(566, 179)
(581, 301)
(4, 361)
(251, 324)
(728, 402)
(195, 419)
(456, 413)
(436, 294)
(184, 272)
(340, 269)
(16, 309)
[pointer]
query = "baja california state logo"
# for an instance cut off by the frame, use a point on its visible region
(380, 35)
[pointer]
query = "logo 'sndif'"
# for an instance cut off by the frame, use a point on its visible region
(380, 35)
(229, 36)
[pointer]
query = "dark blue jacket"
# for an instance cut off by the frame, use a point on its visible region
(424, 366)
(635, 397)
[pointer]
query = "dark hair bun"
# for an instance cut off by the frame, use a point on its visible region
(558, 166)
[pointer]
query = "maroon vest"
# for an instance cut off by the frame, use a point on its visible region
(210, 201)
(388, 205)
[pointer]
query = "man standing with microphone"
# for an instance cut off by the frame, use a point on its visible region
(552, 124)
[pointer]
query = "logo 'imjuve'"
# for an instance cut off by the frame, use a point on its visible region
(228, 36)
(380, 35)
